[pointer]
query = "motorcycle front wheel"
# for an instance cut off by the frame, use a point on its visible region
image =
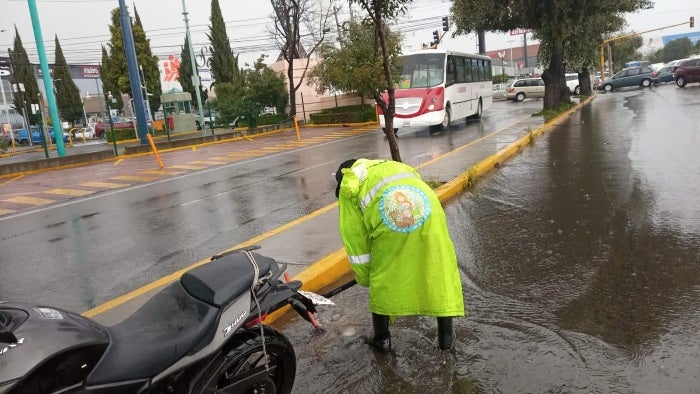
(241, 368)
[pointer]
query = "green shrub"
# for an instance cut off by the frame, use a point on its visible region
(357, 113)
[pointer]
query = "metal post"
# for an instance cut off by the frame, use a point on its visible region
(211, 122)
(195, 72)
(111, 123)
(134, 77)
(53, 111)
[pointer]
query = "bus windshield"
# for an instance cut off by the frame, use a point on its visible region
(422, 70)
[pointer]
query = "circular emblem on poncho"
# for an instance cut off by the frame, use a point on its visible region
(404, 208)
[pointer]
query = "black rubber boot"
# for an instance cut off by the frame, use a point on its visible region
(446, 337)
(381, 341)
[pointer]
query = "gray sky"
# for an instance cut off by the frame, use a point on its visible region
(82, 25)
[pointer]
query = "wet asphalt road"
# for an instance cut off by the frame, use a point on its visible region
(580, 260)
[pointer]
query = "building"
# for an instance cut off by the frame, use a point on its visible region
(514, 62)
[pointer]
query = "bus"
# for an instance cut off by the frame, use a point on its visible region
(438, 86)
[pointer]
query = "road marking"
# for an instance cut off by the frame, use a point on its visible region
(184, 167)
(6, 211)
(108, 185)
(163, 172)
(11, 180)
(133, 178)
(69, 192)
(30, 200)
(116, 163)
(219, 158)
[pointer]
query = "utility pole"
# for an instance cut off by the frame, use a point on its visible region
(195, 73)
(46, 76)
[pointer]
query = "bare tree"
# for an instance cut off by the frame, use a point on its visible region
(379, 11)
(291, 18)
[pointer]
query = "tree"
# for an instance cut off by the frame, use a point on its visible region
(107, 76)
(254, 91)
(224, 65)
(678, 49)
(355, 67)
(22, 74)
(381, 11)
(70, 105)
(288, 24)
(115, 72)
(148, 64)
(625, 50)
(185, 70)
(551, 22)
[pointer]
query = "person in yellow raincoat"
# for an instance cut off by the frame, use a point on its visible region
(396, 238)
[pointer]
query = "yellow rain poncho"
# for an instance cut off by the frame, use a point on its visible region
(395, 234)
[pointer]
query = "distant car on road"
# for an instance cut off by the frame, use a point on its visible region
(687, 71)
(643, 76)
(521, 89)
(499, 91)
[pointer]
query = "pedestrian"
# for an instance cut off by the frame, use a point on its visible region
(396, 237)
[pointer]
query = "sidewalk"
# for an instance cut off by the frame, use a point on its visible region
(312, 246)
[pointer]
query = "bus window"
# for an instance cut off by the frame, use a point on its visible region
(459, 70)
(450, 76)
(422, 70)
(468, 70)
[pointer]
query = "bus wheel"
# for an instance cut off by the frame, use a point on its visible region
(446, 120)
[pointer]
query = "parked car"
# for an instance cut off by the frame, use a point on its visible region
(572, 83)
(499, 91)
(119, 123)
(521, 89)
(643, 76)
(665, 72)
(23, 137)
(687, 71)
(80, 133)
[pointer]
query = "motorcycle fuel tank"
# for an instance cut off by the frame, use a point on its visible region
(45, 335)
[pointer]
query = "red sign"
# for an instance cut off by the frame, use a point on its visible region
(90, 71)
(516, 32)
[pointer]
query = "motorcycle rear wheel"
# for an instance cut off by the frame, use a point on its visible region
(241, 367)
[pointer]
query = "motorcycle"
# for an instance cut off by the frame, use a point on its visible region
(203, 333)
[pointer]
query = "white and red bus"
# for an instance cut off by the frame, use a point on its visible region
(438, 86)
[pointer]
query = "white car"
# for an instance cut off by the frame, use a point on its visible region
(84, 133)
(572, 83)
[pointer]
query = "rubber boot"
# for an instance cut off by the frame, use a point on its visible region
(381, 341)
(446, 337)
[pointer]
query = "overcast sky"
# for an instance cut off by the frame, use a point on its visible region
(82, 25)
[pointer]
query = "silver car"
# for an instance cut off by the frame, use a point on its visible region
(521, 89)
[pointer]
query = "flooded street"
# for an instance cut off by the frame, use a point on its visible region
(580, 261)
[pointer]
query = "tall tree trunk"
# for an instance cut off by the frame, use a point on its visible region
(391, 105)
(292, 90)
(556, 90)
(584, 81)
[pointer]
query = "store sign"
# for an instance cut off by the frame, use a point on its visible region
(517, 32)
(90, 71)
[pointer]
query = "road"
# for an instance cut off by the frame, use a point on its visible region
(100, 231)
(580, 260)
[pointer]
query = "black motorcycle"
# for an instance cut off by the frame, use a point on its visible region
(201, 334)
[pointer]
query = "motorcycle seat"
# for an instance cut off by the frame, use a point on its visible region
(158, 334)
(224, 279)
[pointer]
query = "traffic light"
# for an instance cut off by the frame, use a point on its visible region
(436, 37)
(692, 21)
(445, 24)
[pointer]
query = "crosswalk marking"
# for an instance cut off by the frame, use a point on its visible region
(69, 192)
(133, 178)
(185, 167)
(30, 200)
(162, 172)
(107, 185)
(5, 211)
